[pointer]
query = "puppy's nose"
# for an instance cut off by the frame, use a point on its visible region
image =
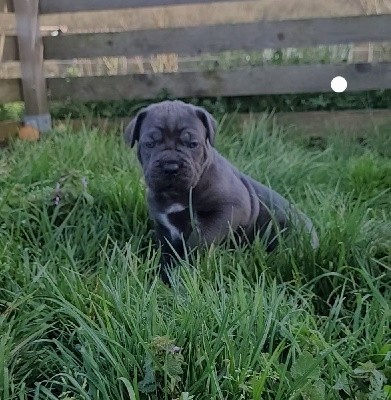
(171, 167)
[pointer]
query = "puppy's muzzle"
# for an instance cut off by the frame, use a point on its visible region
(170, 167)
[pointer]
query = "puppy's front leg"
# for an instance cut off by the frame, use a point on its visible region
(171, 245)
(214, 226)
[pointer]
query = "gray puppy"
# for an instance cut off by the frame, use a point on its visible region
(196, 196)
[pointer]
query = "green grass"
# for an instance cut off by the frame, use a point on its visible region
(81, 316)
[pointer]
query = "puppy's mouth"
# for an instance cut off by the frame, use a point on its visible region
(180, 182)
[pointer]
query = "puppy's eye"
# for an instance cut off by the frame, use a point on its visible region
(150, 145)
(192, 145)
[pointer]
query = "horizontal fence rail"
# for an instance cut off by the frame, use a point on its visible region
(219, 38)
(60, 6)
(214, 39)
(241, 82)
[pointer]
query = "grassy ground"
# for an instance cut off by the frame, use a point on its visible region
(79, 318)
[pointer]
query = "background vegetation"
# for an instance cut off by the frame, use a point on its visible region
(218, 106)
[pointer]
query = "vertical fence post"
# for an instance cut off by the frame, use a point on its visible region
(31, 61)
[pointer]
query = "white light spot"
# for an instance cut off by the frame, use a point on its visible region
(55, 33)
(339, 84)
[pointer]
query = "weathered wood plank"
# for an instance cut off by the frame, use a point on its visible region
(218, 38)
(31, 52)
(31, 58)
(166, 17)
(241, 82)
(273, 8)
(205, 14)
(10, 90)
(158, 17)
(7, 22)
(59, 6)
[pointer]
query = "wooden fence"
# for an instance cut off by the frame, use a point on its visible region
(24, 41)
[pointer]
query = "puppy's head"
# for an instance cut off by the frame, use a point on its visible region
(174, 144)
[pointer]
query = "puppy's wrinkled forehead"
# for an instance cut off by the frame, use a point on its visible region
(171, 118)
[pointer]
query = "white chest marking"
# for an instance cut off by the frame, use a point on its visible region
(175, 208)
(163, 219)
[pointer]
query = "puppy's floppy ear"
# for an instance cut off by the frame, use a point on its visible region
(132, 131)
(209, 123)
